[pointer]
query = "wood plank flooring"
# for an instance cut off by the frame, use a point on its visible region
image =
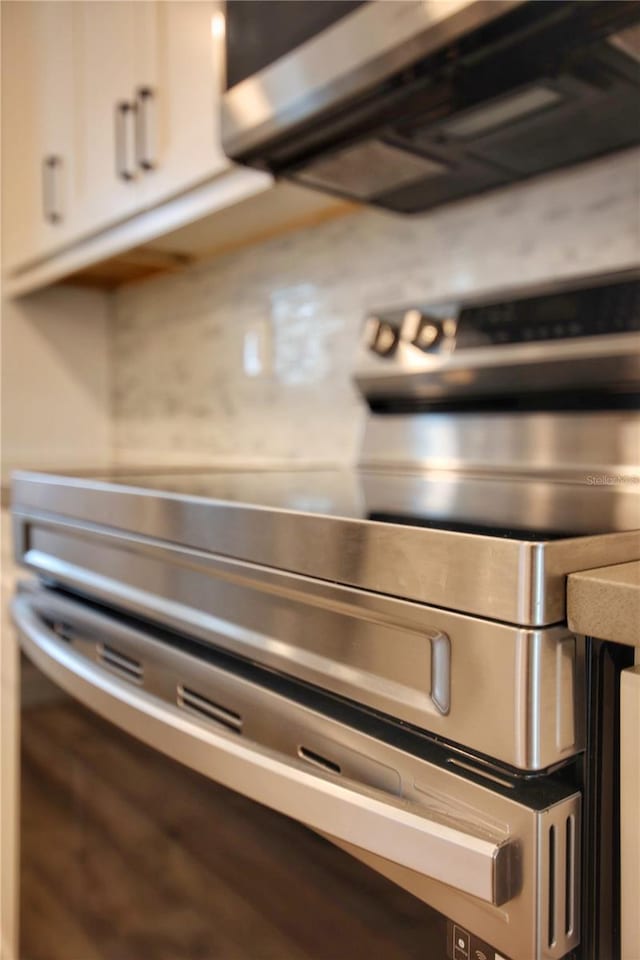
(129, 856)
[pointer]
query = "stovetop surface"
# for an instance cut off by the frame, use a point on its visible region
(527, 509)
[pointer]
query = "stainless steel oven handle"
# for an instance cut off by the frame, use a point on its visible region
(368, 818)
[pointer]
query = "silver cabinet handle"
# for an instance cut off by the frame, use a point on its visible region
(381, 824)
(145, 102)
(124, 114)
(51, 195)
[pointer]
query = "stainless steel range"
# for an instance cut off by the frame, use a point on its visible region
(382, 653)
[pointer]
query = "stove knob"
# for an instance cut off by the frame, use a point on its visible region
(423, 331)
(386, 340)
(380, 336)
(371, 330)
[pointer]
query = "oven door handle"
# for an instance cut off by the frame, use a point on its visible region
(387, 826)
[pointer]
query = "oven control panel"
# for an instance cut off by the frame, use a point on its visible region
(561, 316)
(563, 339)
(611, 309)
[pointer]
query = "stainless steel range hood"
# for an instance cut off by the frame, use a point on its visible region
(409, 104)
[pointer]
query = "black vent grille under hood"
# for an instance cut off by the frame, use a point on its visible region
(537, 87)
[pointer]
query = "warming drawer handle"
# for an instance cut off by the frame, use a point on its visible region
(382, 825)
(441, 672)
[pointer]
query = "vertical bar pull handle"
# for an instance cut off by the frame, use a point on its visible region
(123, 115)
(51, 196)
(441, 672)
(145, 145)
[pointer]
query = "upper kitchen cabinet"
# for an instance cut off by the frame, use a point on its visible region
(177, 98)
(38, 129)
(113, 166)
(149, 81)
(108, 39)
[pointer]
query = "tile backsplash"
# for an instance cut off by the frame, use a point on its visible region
(248, 356)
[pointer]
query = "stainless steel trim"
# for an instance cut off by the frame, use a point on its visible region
(361, 49)
(612, 359)
(457, 676)
(566, 937)
(510, 580)
(390, 828)
(583, 447)
(560, 870)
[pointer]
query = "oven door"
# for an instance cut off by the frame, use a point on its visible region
(498, 862)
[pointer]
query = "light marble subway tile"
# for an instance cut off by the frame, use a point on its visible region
(249, 356)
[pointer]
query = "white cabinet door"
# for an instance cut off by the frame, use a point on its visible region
(110, 108)
(107, 180)
(39, 213)
(178, 98)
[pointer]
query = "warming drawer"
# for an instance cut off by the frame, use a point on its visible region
(512, 693)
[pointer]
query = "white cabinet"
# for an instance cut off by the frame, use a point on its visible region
(111, 138)
(107, 185)
(38, 128)
(178, 99)
(111, 108)
(148, 103)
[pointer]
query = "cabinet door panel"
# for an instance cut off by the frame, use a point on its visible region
(107, 183)
(38, 129)
(184, 81)
(55, 54)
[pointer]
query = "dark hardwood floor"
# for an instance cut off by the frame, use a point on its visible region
(129, 856)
